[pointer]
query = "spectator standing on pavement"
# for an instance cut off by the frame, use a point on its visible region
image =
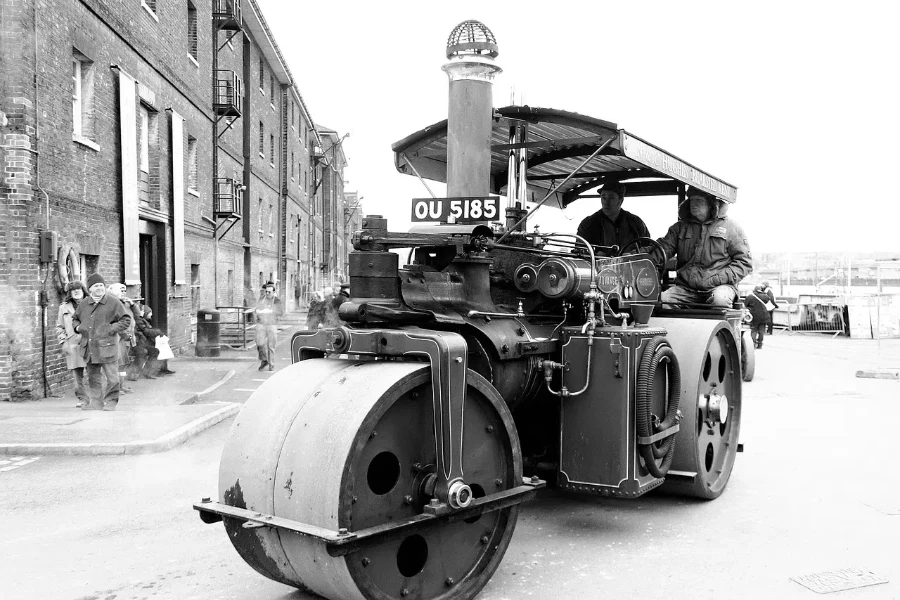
(268, 309)
(99, 319)
(756, 304)
(771, 306)
(65, 329)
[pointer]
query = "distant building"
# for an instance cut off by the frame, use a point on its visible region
(167, 145)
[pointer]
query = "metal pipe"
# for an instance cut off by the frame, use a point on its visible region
(522, 177)
(552, 190)
(411, 166)
(511, 185)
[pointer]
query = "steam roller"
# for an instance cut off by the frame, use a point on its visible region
(349, 446)
(390, 458)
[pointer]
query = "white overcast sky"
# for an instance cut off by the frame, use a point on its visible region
(797, 103)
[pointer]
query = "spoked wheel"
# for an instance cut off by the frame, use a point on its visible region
(350, 444)
(707, 441)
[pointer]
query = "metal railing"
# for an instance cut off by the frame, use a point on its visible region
(228, 202)
(810, 317)
(235, 323)
(229, 93)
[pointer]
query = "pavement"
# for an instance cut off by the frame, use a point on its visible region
(157, 415)
(162, 413)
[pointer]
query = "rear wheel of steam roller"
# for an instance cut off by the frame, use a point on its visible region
(350, 444)
(748, 357)
(707, 440)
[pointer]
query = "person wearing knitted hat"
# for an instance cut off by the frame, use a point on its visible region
(100, 319)
(712, 251)
(611, 225)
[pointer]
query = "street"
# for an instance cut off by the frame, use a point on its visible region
(815, 490)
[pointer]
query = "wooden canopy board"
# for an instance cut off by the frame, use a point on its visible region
(557, 142)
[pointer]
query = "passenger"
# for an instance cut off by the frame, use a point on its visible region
(712, 250)
(611, 225)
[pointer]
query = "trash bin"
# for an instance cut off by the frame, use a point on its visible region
(208, 323)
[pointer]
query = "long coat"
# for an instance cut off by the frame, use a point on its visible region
(100, 322)
(70, 339)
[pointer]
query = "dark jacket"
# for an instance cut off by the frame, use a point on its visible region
(756, 304)
(599, 230)
(100, 322)
(709, 254)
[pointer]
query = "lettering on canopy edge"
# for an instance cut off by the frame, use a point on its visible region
(654, 158)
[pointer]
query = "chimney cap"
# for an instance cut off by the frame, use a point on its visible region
(472, 38)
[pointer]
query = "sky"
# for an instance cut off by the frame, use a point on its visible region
(797, 103)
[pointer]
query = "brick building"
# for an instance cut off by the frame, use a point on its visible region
(167, 145)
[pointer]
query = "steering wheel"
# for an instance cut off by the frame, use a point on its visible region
(656, 253)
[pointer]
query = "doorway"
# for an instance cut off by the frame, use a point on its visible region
(152, 247)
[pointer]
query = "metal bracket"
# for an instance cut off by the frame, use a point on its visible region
(615, 347)
(231, 222)
(343, 542)
(446, 352)
(652, 439)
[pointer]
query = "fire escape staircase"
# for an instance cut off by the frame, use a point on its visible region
(228, 100)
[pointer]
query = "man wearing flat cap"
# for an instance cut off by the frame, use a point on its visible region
(100, 319)
(712, 253)
(611, 225)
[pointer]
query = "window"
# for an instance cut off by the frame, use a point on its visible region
(148, 155)
(259, 217)
(292, 115)
(262, 139)
(292, 166)
(192, 163)
(272, 148)
(195, 288)
(192, 31)
(271, 215)
(262, 74)
(82, 96)
(272, 88)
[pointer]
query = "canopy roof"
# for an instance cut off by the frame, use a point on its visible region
(557, 143)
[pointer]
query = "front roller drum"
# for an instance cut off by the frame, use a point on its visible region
(349, 445)
(707, 440)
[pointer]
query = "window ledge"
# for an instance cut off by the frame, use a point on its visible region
(272, 104)
(193, 192)
(80, 139)
(193, 60)
(149, 10)
(271, 164)
(261, 155)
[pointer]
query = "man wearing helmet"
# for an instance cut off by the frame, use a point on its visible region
(712, 253)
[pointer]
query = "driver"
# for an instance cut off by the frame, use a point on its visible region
(713, 253)
(612, 226)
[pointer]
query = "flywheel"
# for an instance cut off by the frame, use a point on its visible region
(348, 445)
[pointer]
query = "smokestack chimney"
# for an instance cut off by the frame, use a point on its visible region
(471, 49)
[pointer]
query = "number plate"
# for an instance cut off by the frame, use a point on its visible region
(463, 210)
